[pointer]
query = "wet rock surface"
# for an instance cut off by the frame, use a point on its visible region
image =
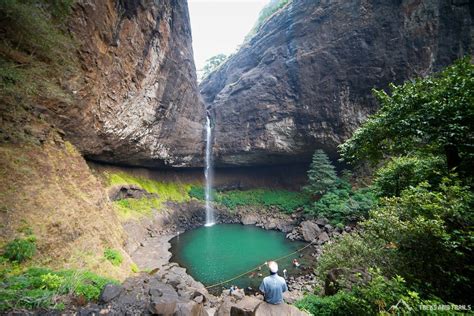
(304, 80)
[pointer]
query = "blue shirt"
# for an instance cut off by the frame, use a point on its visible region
(273, 287)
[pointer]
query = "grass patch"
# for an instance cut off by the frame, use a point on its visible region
(45, 288)
(114, 256)
(20, 249)
(285, 201)
(165, 191)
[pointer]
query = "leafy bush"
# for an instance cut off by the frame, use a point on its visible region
(51, 281)
(45, 288)
(321, 175)
(20, 249)
(380, 296)
(343, 205)
(401, 172)
(114, 256)
(432, 115)
(424, 236)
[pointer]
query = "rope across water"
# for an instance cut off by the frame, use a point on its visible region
(256, 268)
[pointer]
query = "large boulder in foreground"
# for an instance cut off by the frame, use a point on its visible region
(304, 80)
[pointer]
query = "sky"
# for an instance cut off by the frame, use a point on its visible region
(220, 26)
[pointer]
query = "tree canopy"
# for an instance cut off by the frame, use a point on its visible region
(434, 114)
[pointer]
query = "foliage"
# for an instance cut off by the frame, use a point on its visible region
(380, 296)
(172, 191)
(344, 205)
(267, 11)
(198, 192)
(114, 256)
(45, 288)
(321, 174)
(401, 172)
(164, 191)
(213, 63)
(423, 235)
(285, 201)
(20, 249)
(432, 115)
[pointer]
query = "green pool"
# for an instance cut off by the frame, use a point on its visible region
(221, 252)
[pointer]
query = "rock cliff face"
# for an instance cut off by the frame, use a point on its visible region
(139, 101)
(304, 80)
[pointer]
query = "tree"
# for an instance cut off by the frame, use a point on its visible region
(430, 115)
(213, 63)
(321, 174)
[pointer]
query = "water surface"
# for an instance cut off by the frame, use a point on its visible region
(220, 252)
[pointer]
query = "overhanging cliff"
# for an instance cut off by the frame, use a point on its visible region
(138, 100)
(304, 80)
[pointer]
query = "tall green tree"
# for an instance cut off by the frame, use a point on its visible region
(321, 174)
(434, 114)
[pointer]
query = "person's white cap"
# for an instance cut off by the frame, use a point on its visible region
(273, 266)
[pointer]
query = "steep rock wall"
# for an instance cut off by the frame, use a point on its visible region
(138, 101)
(304, 80)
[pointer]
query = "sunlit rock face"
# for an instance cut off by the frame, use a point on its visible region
(304, 80)
(140, 103)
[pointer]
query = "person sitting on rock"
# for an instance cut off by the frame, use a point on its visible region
(296, 263)
(273, 285)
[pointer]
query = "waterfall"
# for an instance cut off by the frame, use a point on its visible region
(208, 173)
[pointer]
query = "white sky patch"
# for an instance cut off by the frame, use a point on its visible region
(220, 26)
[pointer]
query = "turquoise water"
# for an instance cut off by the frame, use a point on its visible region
(220, 252)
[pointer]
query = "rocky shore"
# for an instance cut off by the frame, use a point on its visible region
(166, 288)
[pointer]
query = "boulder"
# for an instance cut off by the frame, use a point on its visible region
(309, 230)
(128, 191)
(190, 308)
(109, 292)
(163, 300)
(224, 307)
(322, 221)
(249, 219)
(323, 237)
(245, 307)
(265, 309)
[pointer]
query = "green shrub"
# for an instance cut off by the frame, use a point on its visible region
(51, 281)
(114, 256)
(423, 235)
(340, 206)
(401, 172)
(197, 193)
(20, 249)
(380, 296)
(45, 288)
(433, 115)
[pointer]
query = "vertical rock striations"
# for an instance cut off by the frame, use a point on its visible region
(304, 80)
(138, 98)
